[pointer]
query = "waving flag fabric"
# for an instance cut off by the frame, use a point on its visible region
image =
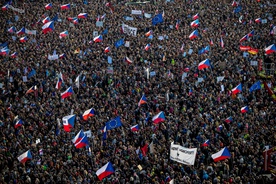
(221, 42)
(134, 128)
(237, 89)
(119, 43)
(59, 83)
(21, 31)
(258, 20)
(255, 86)
(63, 34)
(4, 8)
(244, 109)
(142, 101)
(46, 20)
(149, 33)
(158, 118)
(157, 19)
(18, 123)
(221, 155)
(129, 61)
(82, 16)
(195, 23)
(68, 122)
(78, 137)
(88, 113)
(23, 39)
(82, 143)
(106, 50)
(14, 55)
(251, 33)
(32, 89)
(177, 24)
(244, 38)
(48, 6)
(114, 123)
(206, 143)
(12, 29)
(67, 93)
(25, 156)
(98, 39)
(147, 47)
(48, 27)
(204, 64)
(270, 49)
(253, 51)
(105, 171)
(196, 16)
(65, 7)
(193, 35)
(5, 51)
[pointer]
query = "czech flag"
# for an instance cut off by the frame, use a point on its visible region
(258, 20)
(190, 92)
(160, 117)
(12, 29)
(59, 83)
(211, 42)
(71, 18)
(220, 127)
(98, 39)
(142, 101)
(21, 31)
(237, 89)
(177, 24)
(23, 39)
(195, 23)
(221, 42)
(251, 33)
(82, 16)
(68, 122)
(46, 20)
(128, 60)
(14, 55)
(32, 89)
(61, 56)
(135, 128)
(244, 109)
(270, 49)
(63, 34)
(229, 120)
(78, 137)
(48, 27)
(48, 6)
(105, 171)
(65, 7)
(67, 93)
(206, 143)
(88, 113)
(196, 16)
(253, 51)
(193, 35)
(82, 143)
(149, 33)
(25, 156)
(221, 155)
(75, 21)
(106, 50)
(5, 51)
(147, 47)
(244, 48)
(244, 38)
(18, 123)
(4, 8)
(204, 64)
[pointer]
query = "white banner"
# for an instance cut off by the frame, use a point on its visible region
(183, 155)
(131, 31)
(16, 9)
(30, 32)
(52, 57)
(136, 12)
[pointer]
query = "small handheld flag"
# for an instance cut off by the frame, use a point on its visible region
(244, 109)
(134, 128)
(129, 61)
(48, 6)
(193, 35)
(206, 143)
(255, 86)
(18, 123)
(221, 42)
(237, 89)
(106, 50)
(82, 16)
(68, 122)
(229, 119)
(14, 55)
(88, 113)
(98, 39)
(65, 7)
(147, 47)
(63, 34)
(142, 101)
(196, 16)
(67, 93)
(25, 157)
(105, 171)
(160, 117)
(221, 155)
(270, 49)
(204, 64)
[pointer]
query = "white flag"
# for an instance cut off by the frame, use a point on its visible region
(77, 82)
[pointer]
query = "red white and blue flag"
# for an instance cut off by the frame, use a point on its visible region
(105, 171)
(67, 93)
(237, 89)
(65, 7)
(221, 155)
(48, 6)
(142, 101)
(206, 143)
(12, 29)
(195, 23)
(46, 20)
(32, 89)
(258, 20)
(229, 119)
(88, 113)
(78, 137)
(68, 122)
(204, 64)
(147, 47)
(196, 16)
(21, 31)
(59, 83)
(134, 128)
(82, 143)
(14, 55)
(221, 42)
(129, 61)
(270, 49)
(160, 117)
(106, 50)
(193, 35)
(244, 109)
(82, 16)
(25, 156)
(18, 123)
(98, 39)
(48, 27)
(63, 34)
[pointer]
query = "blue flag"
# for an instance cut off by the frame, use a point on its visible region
(4, 44)
(55, 18)
(119, 43)
(238, 9)
(255, 86)
(157, 19)
(32, 73)
(85, 2)
(105, 31)
(114, 123)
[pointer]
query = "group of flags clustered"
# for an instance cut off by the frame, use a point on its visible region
(81, 139)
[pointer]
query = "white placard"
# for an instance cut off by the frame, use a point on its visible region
(147, 15)
(183, 155)
(52, 57)
(254, 63)
(128, 18)
(99, 23)
(95, 33)
(131, 31)
(136, 12)
(153, 73)
(127, 44)
(37, 141)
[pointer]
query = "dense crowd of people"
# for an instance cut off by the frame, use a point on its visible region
(194, 102)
